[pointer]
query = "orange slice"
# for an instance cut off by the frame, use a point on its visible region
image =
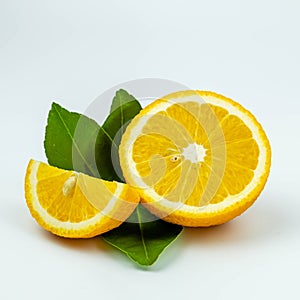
(197, 158)
(75, 205)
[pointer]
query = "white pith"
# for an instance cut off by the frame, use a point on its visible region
(194, 153)
(68, 225)
(230, 200)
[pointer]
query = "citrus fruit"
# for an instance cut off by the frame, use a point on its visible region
(196, 157)
(75, 205)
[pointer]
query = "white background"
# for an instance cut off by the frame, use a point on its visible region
(72, 51)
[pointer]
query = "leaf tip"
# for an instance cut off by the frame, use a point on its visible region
(121, 91)
(55, 105)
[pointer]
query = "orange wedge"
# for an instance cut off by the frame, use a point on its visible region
(75, 205)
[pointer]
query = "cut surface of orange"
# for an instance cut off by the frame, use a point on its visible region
(75, 205)
(196, 157)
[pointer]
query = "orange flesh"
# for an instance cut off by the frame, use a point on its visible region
(65, 207)
(226, 139)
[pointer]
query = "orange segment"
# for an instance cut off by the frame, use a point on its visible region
(172, 129)
(235, 129)
(76, 205)
(244, 153)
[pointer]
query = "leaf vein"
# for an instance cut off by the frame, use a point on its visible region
(142, 233)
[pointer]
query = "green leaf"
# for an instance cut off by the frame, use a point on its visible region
(103, 157)
(70, 140)
(122, 97)
(142, 238)
(124, 108)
